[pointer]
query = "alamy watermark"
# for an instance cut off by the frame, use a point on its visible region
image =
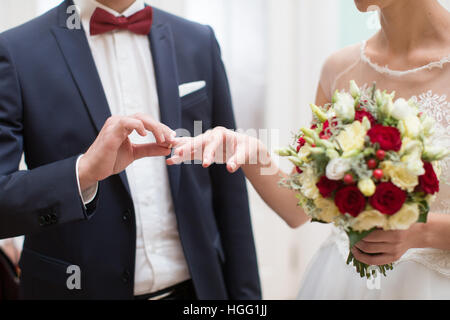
(73, 21)
(74, 279)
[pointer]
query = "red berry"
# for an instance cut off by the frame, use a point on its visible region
(313, 145)
(348, 179)
(372, 164)
(381, 154)
(378, 174)
(299, 171)
(301, 141)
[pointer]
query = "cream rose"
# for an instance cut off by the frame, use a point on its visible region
(404, 219)
(329, 212)
(352, 138)
(400, 175)
(411, 126)
(308, 181)
(368, 220)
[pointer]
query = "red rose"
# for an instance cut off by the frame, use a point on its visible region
(388, 198)
(429, 182)
(350, 200)
(359, 115)
(389, 138)
(327, 187)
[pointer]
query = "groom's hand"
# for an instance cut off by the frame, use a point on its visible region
(112, 151)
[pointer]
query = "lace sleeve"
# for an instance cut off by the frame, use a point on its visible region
(336, 66)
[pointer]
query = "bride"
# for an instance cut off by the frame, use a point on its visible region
(409, 55)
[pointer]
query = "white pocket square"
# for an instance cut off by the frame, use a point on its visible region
(191, 87)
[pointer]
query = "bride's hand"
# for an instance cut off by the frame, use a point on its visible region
(220, 146)
(385, 247)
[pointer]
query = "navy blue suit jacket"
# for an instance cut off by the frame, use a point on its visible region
(52, 106)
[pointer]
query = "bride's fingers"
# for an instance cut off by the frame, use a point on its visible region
(372, 247)
(373, 260)
(187, 149)
(237, 159)
(211, 148)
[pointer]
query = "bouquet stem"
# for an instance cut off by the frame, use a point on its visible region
(365, 270)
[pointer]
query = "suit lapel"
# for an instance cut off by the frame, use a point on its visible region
(77, 53)
(163, 52)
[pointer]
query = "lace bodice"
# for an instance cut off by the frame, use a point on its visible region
(429, 86)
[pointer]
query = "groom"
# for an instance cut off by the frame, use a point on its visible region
(73, 86)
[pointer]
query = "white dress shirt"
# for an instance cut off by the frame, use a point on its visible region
(125, 65)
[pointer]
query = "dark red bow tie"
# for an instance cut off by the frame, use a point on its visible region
(103, 21)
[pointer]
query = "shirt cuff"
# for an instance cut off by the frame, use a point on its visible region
(88, 195)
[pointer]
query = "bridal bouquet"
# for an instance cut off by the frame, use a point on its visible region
(366, 163)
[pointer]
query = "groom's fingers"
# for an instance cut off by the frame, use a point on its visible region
(163, 134)
(184, 150)
(149, 150)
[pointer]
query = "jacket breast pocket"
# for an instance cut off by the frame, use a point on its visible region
(196, 107)
(194, 98)
(45, 278)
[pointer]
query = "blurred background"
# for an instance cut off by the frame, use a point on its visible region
(273, 51)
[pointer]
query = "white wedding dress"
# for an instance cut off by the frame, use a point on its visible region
(421, 273)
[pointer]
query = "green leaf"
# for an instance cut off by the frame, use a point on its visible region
(424, 210)
(355, 237)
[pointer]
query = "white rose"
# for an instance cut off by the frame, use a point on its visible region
(401, 109)
(344, 106)
(337, 168)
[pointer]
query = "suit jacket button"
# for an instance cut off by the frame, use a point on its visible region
(126, 216)
(42, 221)
(126, 276)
